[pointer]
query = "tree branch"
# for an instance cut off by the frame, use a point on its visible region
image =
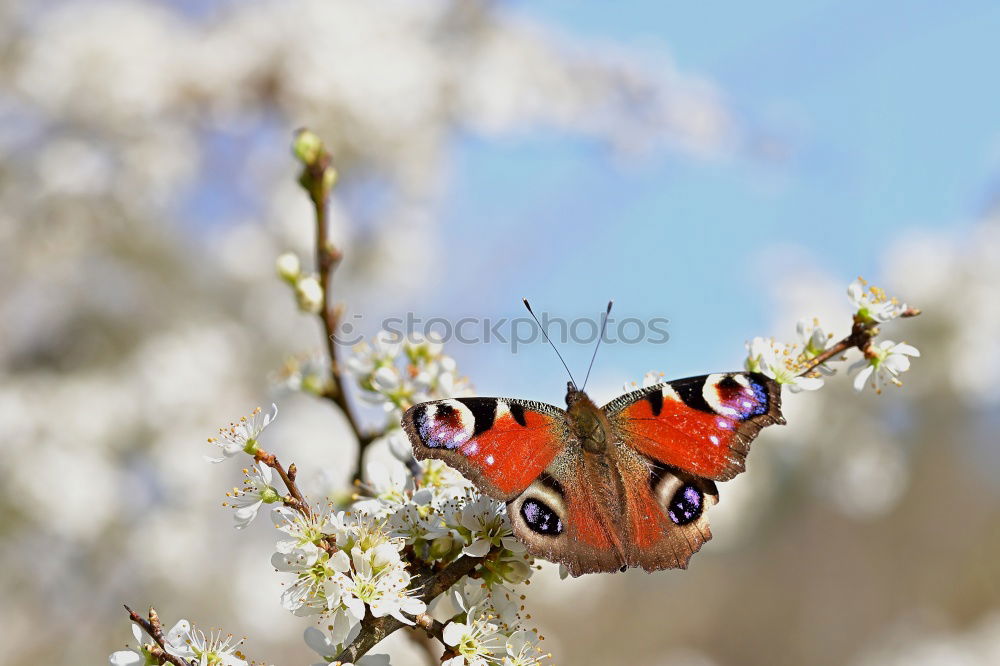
(423, 635)
(317, 178)
(153, 627)
(863, 331)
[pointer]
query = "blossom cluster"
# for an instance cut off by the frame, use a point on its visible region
(342, 564)
(400, 520)
(394, 373)
(802, 366)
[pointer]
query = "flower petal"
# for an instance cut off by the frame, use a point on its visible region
(319, 642)
(862, 377)
(808, 383)
(453, 633)
(125, 658)
(478, 548)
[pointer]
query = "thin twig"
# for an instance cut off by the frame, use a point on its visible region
(153, 627)
(863, 331)
(373, 630)
(423, 634)
(318, 183)
(431, 627)
(295, 499)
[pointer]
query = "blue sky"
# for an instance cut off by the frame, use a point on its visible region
(892, 112)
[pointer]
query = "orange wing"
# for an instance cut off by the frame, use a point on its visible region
(500, 444)
(702, 425)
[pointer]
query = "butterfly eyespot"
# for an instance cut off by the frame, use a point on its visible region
(540, 517)
(686, 505)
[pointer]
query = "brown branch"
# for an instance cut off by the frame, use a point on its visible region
(431, 627)
(423, 634)
(295, 499)
(433, 585)
(863, 331)
(153, 627)
(317, 179)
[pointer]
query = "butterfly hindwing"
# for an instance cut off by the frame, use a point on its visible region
(654, 517)
(561, 517)
(500, 444)
(702, 425)
(665, 516)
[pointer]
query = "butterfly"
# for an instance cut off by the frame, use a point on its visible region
(601, 489)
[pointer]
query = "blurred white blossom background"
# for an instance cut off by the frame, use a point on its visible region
(147, 188)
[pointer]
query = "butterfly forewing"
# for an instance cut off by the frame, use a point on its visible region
(703, 425)
(500, 444)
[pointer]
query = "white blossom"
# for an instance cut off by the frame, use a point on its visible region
(522, 650)
(256, 491)
(814, 342)
(340, 632)
(396, 380)
(382, 585)
(484, 523)
(886, 362)
(649, 379)
(873, 304)
(369, 356)
(242, 436)
(501, 604)
(211, 649)
(477, 641)
(304, 532)
(318, 580)
(764, 357)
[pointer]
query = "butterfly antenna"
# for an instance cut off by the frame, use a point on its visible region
(604, 326)
(546, 335)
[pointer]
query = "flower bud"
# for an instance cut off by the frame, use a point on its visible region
(441, 547)
(309, 294)
(312, 383)
(329, 178)
(515, 571)
(269, 495)
(307, 146)
(289, 267)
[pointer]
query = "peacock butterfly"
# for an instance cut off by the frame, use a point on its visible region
(605, 488)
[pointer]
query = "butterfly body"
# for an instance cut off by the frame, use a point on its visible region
(586, 422)
(604, 488)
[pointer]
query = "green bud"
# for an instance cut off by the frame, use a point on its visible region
(307, 146)
(251, 447)
(269, 495)
(515, 571)
(441, 547)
